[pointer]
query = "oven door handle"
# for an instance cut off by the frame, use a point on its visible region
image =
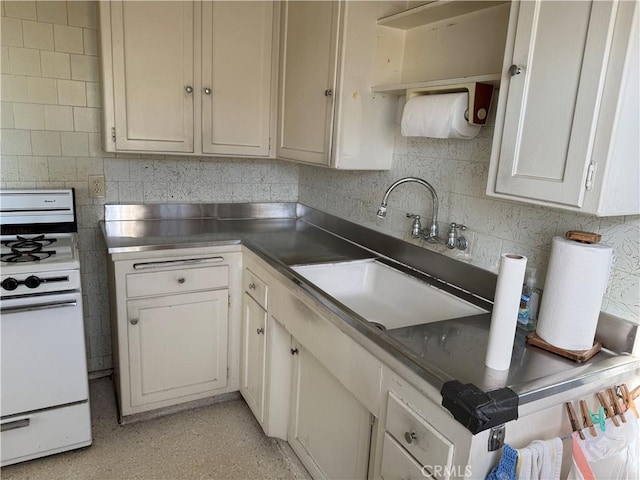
(42, 306)
(15, 424)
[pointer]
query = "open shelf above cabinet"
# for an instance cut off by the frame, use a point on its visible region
(435, 11)
(400, 90)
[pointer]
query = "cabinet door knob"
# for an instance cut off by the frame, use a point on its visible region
(260, 331)
(133, 321)
(515, 70)
(207, 91)
(294, 351)
(410, 436)
(181, 280)
(252, 286)
(188, 89)
(328, 93)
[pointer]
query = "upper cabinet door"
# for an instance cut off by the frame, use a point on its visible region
(309, 60)
(561, 49)
(153, 75)
(237, 44)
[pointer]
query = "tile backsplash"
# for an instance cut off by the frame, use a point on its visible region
(458, 171)
(50, 138)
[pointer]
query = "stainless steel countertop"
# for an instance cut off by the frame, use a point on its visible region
(438, 352)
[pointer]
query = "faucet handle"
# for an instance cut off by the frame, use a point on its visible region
(454, 240)
(416, 226)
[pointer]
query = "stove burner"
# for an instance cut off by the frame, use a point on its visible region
(22, 257)
(27, 249)
(28, 244)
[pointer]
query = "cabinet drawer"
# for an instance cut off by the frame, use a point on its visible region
(397, 463)
(419, 438)
(177, 281)
(255, 287)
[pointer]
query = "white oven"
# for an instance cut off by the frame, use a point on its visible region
(44, 394)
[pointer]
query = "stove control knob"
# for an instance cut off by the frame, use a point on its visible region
(32, 282)
(9, 283)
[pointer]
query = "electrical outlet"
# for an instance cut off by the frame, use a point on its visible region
(96, 186)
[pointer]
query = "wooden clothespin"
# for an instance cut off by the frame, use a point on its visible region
(635, 392)
(573, 419)
(608, 409)
(586, 418)
(616, 405)
(628, 399)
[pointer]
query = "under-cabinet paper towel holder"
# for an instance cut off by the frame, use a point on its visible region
(480, 95)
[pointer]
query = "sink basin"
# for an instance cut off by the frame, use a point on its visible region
(385, 296)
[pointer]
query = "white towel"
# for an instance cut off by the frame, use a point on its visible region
(541, 460)
(438, 116)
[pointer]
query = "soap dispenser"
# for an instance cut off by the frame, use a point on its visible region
(529, 302)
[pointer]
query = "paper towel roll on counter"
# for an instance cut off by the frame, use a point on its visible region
(438, 116)
(576, 281)
(504, 316)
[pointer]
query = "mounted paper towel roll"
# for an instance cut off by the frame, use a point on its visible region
(438, 116)
(576, 280)
(504, 316)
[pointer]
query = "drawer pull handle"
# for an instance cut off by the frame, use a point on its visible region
(410, 436)
(181, 280)
(294, 351)
(171, 263)
(23, 422)
(252, 286)
(260, 331)
(133, 321)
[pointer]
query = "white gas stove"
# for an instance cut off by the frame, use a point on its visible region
(44, 393)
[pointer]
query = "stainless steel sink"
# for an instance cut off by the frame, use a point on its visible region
(385, 296)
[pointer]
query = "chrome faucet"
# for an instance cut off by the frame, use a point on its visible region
(453, 239)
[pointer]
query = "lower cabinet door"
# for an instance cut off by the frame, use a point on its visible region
(177, 345)
(254, 324)
(329, 429)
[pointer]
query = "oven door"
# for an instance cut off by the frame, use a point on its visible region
(43, 352)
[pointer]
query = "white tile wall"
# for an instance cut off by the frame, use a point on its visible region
(50, 138)
(55, 64)
(38, 35)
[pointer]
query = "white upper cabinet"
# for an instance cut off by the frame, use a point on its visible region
(327, 113)
(309, 54)
(236, 77)
(567, 106)
(188, 77)
(152, 75)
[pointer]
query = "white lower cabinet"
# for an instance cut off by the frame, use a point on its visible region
(177, 345)
(253, 370)
(173, 341)
(329, 429)
(347, 414)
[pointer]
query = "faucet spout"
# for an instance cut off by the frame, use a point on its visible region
(433, 226)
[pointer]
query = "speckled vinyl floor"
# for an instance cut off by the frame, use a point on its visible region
(220, 441)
